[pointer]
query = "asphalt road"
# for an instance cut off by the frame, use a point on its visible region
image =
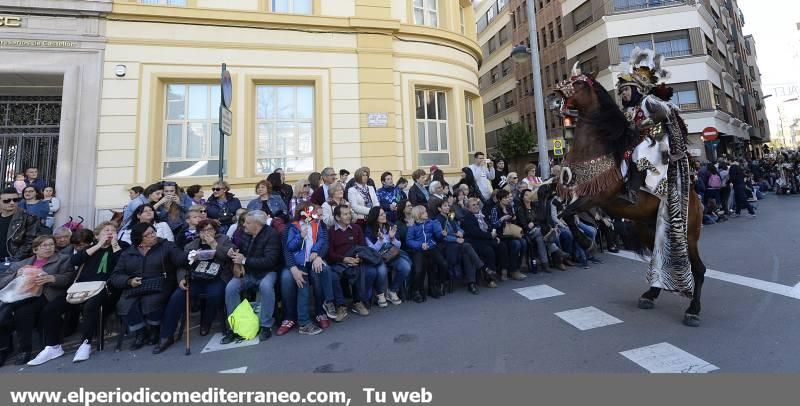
(745, 328)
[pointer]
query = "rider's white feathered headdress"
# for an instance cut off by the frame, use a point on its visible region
(644, 70)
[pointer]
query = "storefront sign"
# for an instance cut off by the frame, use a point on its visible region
(10, 21)
(377, 119)
(37, 43)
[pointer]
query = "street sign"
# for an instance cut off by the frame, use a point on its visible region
(710, 134)
(225, 120)
(377, 119)
(227, 87)
(558, 147)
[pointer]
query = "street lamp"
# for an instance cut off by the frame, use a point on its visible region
(521, 54)
(780, 118)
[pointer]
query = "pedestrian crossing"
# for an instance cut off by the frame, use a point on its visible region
(657, 358)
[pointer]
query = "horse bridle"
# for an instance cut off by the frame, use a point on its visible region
(566, 88)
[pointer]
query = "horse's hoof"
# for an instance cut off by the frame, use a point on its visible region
(646, 303)
(691, 320)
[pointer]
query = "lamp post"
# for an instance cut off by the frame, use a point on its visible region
(780, 118)
(520, 54)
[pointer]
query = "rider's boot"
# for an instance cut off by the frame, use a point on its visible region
(634, 183)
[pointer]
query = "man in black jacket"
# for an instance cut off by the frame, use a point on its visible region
(17, 229)
(256, 265)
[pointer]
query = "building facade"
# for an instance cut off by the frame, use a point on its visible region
(50, 83)
(706, 55)
(392, 85)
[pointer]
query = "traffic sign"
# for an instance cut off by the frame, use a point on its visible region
(225, 120)
(710, 134)
(227, 87)
(558, 147)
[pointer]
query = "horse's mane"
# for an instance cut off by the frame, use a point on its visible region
(610, 123)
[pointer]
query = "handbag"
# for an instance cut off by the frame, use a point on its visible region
(148, 287)
(368, 255)
(389, 253)
(512, 230)
(206, 270)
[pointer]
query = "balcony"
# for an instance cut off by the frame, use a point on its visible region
(620, 6)
(689, 106)
(677, 53)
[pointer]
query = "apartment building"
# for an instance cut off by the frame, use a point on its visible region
(497, 82)
(706, 55)
(761, 126)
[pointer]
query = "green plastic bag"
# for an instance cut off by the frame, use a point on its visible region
(244, 321)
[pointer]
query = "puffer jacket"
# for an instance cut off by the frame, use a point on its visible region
(429, 232)
(295, 253)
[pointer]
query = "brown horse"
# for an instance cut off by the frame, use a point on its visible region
(602, 130)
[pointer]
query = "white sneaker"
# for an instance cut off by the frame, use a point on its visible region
(47, 354)
(382, 300)
(392, 296)
(83, 352)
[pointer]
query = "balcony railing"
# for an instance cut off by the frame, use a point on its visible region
(689, 106)
(676, 53)
(634, 5)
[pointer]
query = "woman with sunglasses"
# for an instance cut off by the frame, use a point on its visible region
(34, 203)
(302, 193)
(222, 205)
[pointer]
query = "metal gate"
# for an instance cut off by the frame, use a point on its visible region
(29, 128)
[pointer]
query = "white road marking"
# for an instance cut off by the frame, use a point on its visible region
(772, 287)
(588, 318)
(239, 370)
(667, 358)
(214, 344)
(538, 292)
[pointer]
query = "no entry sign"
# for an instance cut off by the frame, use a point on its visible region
(710, 134)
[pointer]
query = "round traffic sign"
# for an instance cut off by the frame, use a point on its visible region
(710, 134)
(227, 88)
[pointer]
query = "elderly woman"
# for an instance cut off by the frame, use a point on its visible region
(94, 263)
(268, 201)
(362, 197)
(514, 186)
(437, 195)
(55, 276)
(33, 203)
(62, 236)
(222, 205)
(302, 193)
(336, 198)
(423, 239)
(207, 275)
(418, 194)
(502, 215)
(145, 273)
(146, 214)
(479, 233)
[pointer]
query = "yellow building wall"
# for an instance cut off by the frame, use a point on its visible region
(355, 71)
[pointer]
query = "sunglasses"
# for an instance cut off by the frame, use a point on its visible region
(200, 211)
(14, 199)
(169, 184)
(216, 189)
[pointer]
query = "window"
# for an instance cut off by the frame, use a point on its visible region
(481, 24)
(191, 133)
(563, 68)
(544, 38)
(552, 32)
(491, 14)
(164, 2)
(292, 6)
(508, 99)
(501, 4)
(590, 66)
(674, 45)
(558, 27)
(284, 128)
(463, 26)
(717, 98)
(685, 96)
(582, 16)
(432, 136)
(426, 12)
(502, 35)
(470, 116)
(626, 49)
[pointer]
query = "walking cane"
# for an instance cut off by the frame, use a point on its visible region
(188, 318)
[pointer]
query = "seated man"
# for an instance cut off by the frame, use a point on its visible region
(260, 262)
(344, 239)
(17, 229)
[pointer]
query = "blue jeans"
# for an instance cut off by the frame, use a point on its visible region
(214, 290)
(295, 300)
(402, 268)
(367, 274)
(266, 289)
(514, 247)
(137, 321)
(581, 255)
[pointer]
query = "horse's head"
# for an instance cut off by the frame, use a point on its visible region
(574, 96)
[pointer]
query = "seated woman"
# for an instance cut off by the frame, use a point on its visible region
(207, 276)
(306, 244)
(526, 218)
(46, 309)
(423, 239)
(336, 198)
(267, 200)
(146, 214)
(503, 214)
(554, 229)
(484, 240)
(456, 250)
(94, 263)
(146, 274)
(381, 237)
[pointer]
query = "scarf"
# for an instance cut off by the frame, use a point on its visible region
(424, 190)
(364, 190)
(482, 222)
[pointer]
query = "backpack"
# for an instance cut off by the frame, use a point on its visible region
(714, 181)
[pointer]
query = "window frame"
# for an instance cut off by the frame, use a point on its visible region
(296, 122)
(427, 11)
(424, 149)
(211, 122)
(469, 115)
(291, 6)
